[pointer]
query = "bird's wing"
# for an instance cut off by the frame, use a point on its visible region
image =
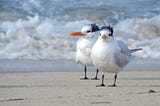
(122, 56)
(124, 48)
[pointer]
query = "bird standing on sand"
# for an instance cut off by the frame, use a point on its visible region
(110, 55)
(84, 46)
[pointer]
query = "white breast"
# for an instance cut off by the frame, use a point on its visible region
(103, 56)
(83, 51)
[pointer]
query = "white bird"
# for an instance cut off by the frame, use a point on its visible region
(84, 46)
(110, 55)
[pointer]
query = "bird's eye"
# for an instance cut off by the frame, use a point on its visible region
(100, 35)
(88, 31)
(110, 34)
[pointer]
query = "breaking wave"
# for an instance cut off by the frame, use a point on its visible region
(36, 29)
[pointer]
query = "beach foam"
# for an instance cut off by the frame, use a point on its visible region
(39, 30)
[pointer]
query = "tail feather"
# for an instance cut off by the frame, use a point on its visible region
(135, 50)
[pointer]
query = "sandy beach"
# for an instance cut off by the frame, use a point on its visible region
(37, 55)
(135, 88)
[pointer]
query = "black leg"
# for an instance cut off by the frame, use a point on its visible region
(115, 79)
(96, 75)
(102, 84)
(85, 73)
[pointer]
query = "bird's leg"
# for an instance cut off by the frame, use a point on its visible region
(85, 73)
(114, 84)
(102, 84)
(115, 79)
(96, 75)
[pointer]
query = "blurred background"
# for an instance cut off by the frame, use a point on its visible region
(37, 30)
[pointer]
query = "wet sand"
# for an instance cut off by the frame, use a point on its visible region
(135, 88)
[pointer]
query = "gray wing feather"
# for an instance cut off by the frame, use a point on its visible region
(123, 56)
(124, 48)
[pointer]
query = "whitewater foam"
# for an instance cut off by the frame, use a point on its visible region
(36, 38)
(141, 33)
(37, 29)
(39, 39)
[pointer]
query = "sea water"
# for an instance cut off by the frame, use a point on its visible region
(39, 29)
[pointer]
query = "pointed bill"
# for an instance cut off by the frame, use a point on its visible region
(77, 34)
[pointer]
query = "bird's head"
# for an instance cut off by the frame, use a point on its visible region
(106, 33)
(86, 30)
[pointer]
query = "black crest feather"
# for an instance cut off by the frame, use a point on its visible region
(108, 28)
(94, 27)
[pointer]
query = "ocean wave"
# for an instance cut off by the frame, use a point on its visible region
(35, 38)
(138, 32)
(36, 29)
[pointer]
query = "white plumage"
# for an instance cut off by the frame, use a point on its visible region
(110, 55)
(84, 46)
(83, 52)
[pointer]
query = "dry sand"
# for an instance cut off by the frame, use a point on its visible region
(135, 88)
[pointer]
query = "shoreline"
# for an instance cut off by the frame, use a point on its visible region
(89, 71)
(68, 66)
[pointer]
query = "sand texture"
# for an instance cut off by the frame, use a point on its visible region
(135, 88)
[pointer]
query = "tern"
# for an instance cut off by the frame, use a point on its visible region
(110, 55)
(84, 46)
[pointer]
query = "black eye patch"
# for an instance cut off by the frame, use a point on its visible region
(88, 31)
(110, 34)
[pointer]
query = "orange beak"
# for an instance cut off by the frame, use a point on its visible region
(77, 34)
(104, 37)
